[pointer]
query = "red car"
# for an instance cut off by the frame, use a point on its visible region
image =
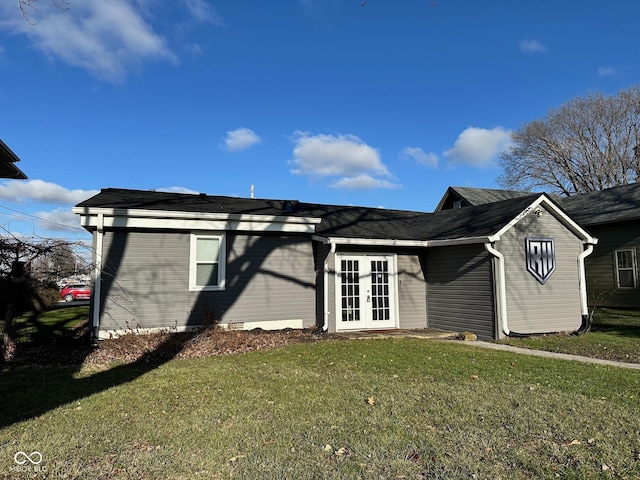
(75, 292)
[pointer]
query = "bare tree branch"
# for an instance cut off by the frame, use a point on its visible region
(29, 6)
(586, 144)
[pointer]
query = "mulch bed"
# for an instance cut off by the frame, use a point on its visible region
(158, 347)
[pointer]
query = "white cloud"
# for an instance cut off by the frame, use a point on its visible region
(177, 190)
(41, 191)
(106, 38)
(607, 71)
(345, 156)
(420, 156)
(328, 155)
(532, 46)
(59, 220)
(240, 139)
(478, 147)
(364, 182)
(203, 12)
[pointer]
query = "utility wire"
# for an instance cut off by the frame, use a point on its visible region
(44, 220)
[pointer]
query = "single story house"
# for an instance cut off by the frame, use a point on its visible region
(178, 261)
(612, 215)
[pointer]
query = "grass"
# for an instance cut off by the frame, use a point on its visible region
(50, 324)
(615, 335)
(392, 408)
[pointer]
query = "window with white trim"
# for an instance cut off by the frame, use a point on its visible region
(207, 261)
(625, 268)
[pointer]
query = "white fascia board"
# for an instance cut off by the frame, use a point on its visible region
(567, 221)
(382, 242)
(162, 219)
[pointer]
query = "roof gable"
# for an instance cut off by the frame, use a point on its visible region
(469, 196)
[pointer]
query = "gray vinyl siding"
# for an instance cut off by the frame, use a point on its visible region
(269, 277)
(460, 290)
(531, 306)
(601, 265)
(412, 305)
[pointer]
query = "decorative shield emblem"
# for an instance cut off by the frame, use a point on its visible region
(541, 258)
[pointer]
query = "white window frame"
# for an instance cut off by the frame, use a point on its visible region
(193, 263)
(633, 268)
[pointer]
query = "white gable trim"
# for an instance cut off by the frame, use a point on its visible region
(544, 201)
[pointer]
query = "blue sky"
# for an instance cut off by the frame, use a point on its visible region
(327, 101)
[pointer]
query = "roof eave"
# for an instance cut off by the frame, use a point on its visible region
(388, 242)
(172, 220)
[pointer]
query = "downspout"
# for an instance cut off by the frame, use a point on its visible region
(97, 279)
(582, 281)
(332, 251)
(501, 290)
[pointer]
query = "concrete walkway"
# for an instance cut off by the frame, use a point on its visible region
(427, 333)
(559, 356)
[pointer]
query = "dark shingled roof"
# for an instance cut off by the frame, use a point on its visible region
(337, 221)
(614, 204)
(7, 160)
(605, 206)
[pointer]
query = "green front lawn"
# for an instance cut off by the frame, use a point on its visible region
(55, 323)
(392, 409)
(615, 335)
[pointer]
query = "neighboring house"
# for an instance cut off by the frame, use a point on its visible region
(8, 159)
(177, 261)
(611, 215)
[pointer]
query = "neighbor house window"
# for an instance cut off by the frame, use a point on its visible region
(207, 262)
(625, 268)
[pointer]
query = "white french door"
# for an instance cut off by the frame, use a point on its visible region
(365, 292)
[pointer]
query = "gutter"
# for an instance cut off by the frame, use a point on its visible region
(501, 289)
(582, 282)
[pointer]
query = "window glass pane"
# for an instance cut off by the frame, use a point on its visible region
(625, 278)
(206, 274)
(207, 249)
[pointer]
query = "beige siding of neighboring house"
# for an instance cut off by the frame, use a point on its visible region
(602, 287)
(531, 306)
(269, 279)
(460, 293)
